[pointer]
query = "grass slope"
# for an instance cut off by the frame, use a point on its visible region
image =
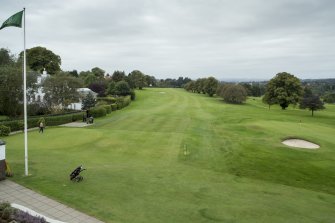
(173, 156)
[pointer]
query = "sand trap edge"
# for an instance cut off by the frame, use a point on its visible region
(300, 143)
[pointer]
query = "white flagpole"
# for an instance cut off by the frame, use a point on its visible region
(25, 94)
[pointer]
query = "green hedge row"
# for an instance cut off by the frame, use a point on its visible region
(122, 102)
(114, 107)
(4, 130)
(99, 111)
(102, 110)
(16, 125)
(107, 100)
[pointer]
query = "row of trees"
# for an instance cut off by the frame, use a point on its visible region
(60, 87)
(284, 89)
(231, 93)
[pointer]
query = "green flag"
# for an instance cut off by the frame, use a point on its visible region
(14, 20)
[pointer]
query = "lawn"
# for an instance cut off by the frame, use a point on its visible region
(174, 156)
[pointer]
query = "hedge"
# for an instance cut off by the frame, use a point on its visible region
(107, 100)
(98, 111)
(114, 107)
(123, 102)
(4, 130)
(108, 108)
(16, 125)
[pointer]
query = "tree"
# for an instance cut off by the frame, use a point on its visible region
(98, 72)
(136, 79)
(89, 79)
(150, 80)
(5, 57)
(74, 73)
(60, 91)
(99, 87)
(200, 85)
(329, 98)
(268, 100)
(11, 91)
(284, 89)
(122, 88)
(39, 58)
(235, 94)
(210, 86)
(88, 102)
(111, 88)
(313, 103)
(190, 86)
(118, 76)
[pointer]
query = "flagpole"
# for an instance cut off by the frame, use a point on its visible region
(25, 94)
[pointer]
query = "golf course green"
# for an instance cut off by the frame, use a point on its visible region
(175, 156)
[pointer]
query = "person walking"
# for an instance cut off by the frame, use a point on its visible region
(41, 127)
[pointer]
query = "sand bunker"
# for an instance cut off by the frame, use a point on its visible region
(299, 143)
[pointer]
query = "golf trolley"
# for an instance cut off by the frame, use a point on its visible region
(75, 175)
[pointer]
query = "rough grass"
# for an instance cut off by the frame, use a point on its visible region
(182, 157)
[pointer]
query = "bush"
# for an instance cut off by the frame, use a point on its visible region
(3, 206)
(114, 106)
(12, 125)
(21, 216)
(108, 108)
(329, 98)
(4, 130)
(37, 109)
(9, 214)
(107, 100)
(98, 112)
(132, 95)
(122, 102)
(235, 94)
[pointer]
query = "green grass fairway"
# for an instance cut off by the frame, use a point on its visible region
(174, 156)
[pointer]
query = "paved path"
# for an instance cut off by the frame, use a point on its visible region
(15, 193)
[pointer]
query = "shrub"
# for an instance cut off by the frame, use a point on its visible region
(100, 103)
(235, 94)
(126, 101)
(20, 124)
(114, 106)
(37, 109)
(329, 98)
(98, 112)
(108, 108)
(14, 125)
(21, 216)
(3, 206)
(122, 88)
(122, 102)
(9, 214)
(107, 100)
(132, 95)
(4, 130)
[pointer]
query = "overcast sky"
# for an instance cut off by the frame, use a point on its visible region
(227, 39)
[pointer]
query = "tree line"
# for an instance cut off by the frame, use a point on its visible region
(283, 89)
(60, 87)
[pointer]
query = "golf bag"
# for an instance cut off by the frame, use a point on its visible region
(75, 175)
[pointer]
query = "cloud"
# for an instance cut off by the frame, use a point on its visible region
(192, 38)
